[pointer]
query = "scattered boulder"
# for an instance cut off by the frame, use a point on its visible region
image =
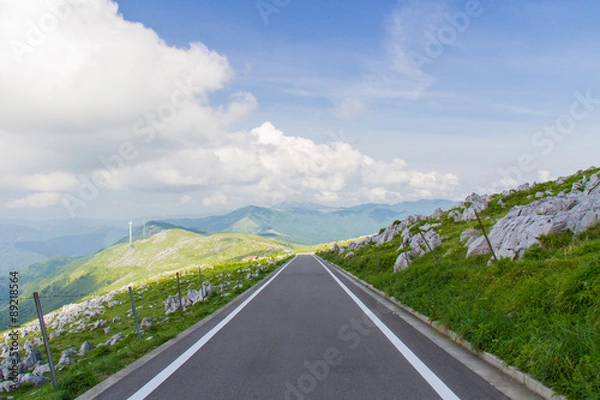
(476, 203)
(146, 322)
(85, 347)
(99, 324)
(41, 369)
(7, 386)
(416, 246)
(171, 305)
(469, 236)
(402, 262)
(437, 214)
(113, 340)
(34, 379)
(33, 357)
(55, 334)
(65, 357)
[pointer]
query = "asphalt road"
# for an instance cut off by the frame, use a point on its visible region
(306, 333)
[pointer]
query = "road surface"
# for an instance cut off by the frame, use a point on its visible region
(307, 332)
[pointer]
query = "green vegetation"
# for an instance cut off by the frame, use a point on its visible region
(101, 362)
(540, 314)
(122, 264)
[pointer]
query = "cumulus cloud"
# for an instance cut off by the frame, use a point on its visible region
(36, 200)
(266, 160)
(96, 104)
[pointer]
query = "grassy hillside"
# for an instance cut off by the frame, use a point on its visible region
(102, 362)
(540, 314)
(122, 264)
(150, 229)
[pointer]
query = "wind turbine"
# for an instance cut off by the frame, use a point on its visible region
(130, 232)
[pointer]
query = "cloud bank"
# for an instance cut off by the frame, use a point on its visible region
(96, 106)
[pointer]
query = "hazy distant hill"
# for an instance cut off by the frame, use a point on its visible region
(25, 242)
(310, 223)
(62, 280)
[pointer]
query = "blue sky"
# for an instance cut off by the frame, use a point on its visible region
(321, 103)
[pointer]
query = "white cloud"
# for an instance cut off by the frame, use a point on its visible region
(36, 200)
(265, 161)
(98, 83)
(53, 181)
(216, 199)
(184, 200)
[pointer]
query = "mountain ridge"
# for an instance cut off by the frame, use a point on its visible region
(310, 223)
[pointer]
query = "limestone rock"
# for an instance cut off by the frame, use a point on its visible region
(146, 322)
(7, 386)
(402, 262)
(65, 357)
(469, 236)
(85, 347)
(34, 379)
(99, 324)
(415, 247)
(33, 357)
(523, 225)
(115, 339)
(41, 369)
(171, 305)
(437, 213)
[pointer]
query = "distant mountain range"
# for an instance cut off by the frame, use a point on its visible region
(77, 257)
(309, 223)
(63, 280)
(23, 243)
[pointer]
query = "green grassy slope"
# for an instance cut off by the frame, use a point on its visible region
(540, 314)
(122, 264)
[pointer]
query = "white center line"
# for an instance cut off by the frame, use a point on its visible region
(149, 387)
(431, 378)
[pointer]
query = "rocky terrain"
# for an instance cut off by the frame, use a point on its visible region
(575, 209)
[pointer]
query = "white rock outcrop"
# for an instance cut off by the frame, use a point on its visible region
(512, 235)
(416, 246)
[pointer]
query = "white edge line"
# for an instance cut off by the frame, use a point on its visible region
(149, 387)
(436, 383)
